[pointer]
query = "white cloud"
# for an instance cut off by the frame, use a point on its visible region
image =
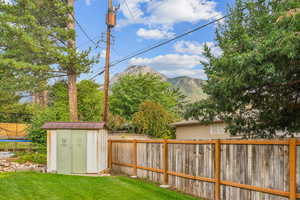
(132, 11)
(196, 48)
(169, 61)
(103, 54)
(154, 33)
(169, 12)
(88, 2)
(166, 13)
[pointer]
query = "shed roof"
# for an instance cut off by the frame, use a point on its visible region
(74, 125)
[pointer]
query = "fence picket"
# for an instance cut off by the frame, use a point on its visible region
(214, 169)
(293, 184)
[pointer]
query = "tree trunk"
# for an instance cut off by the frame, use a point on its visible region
(40, 98)
(72, 89)
(35, 99)
(45, 98)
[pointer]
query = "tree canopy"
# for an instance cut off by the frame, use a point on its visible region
(254, 85)
(89, 100)
(89, 104)
(132, 90)
(35, 45)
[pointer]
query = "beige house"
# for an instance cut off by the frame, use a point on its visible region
(193, 130)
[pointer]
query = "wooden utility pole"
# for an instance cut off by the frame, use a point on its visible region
(110, 22)
(72, 76)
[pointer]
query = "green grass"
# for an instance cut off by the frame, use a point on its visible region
(31, 186)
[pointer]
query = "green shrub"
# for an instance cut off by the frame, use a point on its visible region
(35, 132)
(38, 158)
(152, 119)
(116, 123)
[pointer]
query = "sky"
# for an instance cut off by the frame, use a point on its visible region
(142, 23)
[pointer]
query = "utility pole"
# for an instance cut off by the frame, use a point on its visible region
(72, 76)
(110, 22)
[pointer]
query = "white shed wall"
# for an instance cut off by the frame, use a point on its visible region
(91, 152)
(52, 153)
(102, 149)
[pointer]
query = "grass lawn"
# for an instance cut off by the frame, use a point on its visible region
(30, 186)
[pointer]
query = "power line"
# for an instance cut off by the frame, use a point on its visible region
(116, 52)
(142, 51)
(131, 13)
(81, 27)
(168, 41)
(83, 31)
(87, 42)
(98, 74)
(126, 4)
(159, 5)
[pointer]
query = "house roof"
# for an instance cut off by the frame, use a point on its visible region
(74, 125)
(191, 122)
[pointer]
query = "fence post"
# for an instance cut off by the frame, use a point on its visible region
(293, 164)
(217, 170)
(109, 154)
(134, 158)
(166, 164)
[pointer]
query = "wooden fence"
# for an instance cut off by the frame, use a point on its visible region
(13, 130)
(214, 169)
(17, 147)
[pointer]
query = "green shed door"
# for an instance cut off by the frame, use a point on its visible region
(79, 152)
(64, 146)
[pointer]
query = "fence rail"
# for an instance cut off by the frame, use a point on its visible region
(289, 164)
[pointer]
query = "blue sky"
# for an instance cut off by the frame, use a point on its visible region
(145, 22)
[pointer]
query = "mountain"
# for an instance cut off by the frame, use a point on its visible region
(135, 70)
(190, 87)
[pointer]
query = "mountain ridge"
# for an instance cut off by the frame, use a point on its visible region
(190, 87)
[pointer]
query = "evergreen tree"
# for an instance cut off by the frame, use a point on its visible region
(254, 85)
(37, 43)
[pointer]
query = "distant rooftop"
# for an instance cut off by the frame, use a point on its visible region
(191, 122)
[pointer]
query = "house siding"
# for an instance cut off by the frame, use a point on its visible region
(200, 131)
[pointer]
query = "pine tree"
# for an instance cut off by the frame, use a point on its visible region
(37, 44)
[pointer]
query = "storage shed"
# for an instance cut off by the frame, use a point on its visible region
(76, 147)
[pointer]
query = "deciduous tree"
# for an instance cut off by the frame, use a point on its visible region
(132, 90)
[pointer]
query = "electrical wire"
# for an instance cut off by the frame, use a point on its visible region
(159, 44)
(81, 27)
(83, 31)
(129, 10)
(167, 41)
